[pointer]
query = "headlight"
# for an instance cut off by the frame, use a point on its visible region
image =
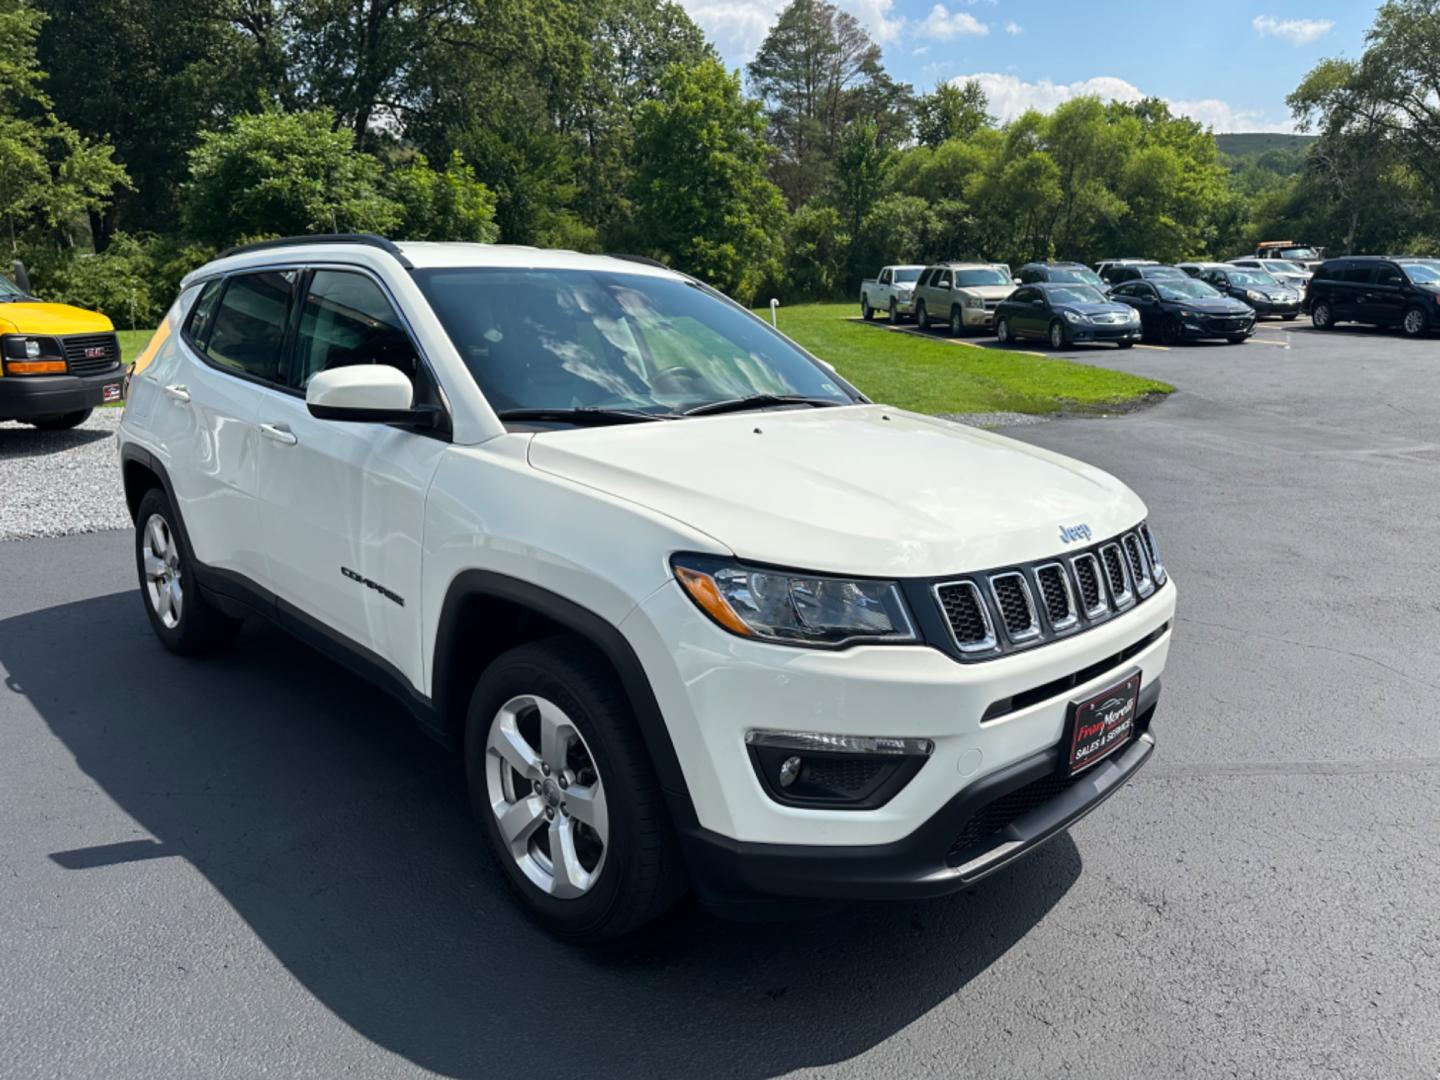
(791, 607)
(1253, 295)
(1074, 317)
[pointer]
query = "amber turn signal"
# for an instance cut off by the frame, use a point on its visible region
(703, 591)
(35, 367)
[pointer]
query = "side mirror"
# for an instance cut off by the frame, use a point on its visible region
(1016, 281)
(367, 394)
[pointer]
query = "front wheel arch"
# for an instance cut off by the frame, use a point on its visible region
(485, 614)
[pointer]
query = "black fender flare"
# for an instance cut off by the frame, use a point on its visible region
(600, 633)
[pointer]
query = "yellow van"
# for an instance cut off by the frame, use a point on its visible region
(57, 362)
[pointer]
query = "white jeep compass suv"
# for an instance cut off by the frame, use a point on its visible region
(697, 613)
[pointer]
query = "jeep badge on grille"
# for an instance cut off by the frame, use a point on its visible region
(1070, 533)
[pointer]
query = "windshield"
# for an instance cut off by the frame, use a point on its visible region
(1186, 289)
(1075, 294)
(577, 339)
(907, 273)
(1149, 273)
(9, 290)
(1423, 273)
(1298, 253)
(1252, 277)
(1077, 274)
(987, 276)
(1280, 266)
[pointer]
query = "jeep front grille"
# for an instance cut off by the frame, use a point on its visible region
(993, 611)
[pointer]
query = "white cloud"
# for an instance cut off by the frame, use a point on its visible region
(943, 24)
(1295, 31)
(1010, 96)
(1014, 29)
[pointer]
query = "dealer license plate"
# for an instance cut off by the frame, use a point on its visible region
(110, 392)
(1102, 723)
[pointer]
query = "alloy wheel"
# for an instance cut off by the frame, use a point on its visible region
(957, 323)
(1002, 331)
(162, 572)
(1057, 336)
(894, 312)
(1414, 322)
(1320, 316)
(545, 791)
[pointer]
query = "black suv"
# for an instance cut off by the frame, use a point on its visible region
(1065, 273)
(1376, 289)
(1119, 272)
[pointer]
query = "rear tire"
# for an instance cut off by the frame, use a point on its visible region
(61, 421)
(866, 311)
(1322, 317)
(183, 620)
(620, 865)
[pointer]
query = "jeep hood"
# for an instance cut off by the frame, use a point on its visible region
(860, 490)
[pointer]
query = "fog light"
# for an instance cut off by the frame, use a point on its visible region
(837, 772)
(789, 771)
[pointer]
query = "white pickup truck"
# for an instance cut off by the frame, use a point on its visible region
(893, 291)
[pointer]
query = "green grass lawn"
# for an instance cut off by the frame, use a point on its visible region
(934, 375)
(132, 343)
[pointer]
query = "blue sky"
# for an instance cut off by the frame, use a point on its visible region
(1228, 63)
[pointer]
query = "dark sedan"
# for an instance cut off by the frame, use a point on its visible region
(1182, 309)
(1257, 288)
(1064, 314)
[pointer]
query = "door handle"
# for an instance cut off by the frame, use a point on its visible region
(279, 433)
(178, 392)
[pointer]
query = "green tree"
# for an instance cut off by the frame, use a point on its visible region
(817, 248)
(449, 205)
(49, 172)
(702, 200)
(951, 112)
(815, 72)
(283, 173)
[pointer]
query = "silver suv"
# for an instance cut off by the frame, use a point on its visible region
(963, 294)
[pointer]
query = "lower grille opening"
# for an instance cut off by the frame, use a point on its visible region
(993, 817)
(1045, 691)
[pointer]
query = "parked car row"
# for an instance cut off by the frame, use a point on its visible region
(1067, 302)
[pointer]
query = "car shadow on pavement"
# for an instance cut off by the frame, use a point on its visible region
(341, 835)
(17, 441)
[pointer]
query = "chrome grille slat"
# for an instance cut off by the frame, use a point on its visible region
(1139, 566)
(1058, 596)
(967, 616)
(1016, 605)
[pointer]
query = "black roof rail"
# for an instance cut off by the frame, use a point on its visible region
(368, 239)
(643, 260)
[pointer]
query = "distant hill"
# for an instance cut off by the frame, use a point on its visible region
(1255, 143)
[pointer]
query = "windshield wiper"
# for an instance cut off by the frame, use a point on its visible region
(585, 415)
(758, 401)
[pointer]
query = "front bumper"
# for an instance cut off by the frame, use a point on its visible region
(972, 316)
(1275, 307)
(1197, 331)
(1104, 331)
(986, 826)
(23, 397)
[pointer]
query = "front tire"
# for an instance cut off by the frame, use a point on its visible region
(562, 787)
(1057, 335)
(183, 620)
(1237, 339)
(957, 322)
(1322, 317)
(61, 421)
(1002, 331)
(894, 313)
(1414, 324)
(1169, 330)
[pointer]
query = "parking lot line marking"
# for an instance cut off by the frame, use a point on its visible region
(1157, 348)
(1267, 341)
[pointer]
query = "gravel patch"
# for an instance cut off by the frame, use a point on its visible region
(54, 483)
(995, 419)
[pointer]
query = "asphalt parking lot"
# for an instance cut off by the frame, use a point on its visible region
(254, 865)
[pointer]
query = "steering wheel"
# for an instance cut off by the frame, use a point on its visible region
(678, 377)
